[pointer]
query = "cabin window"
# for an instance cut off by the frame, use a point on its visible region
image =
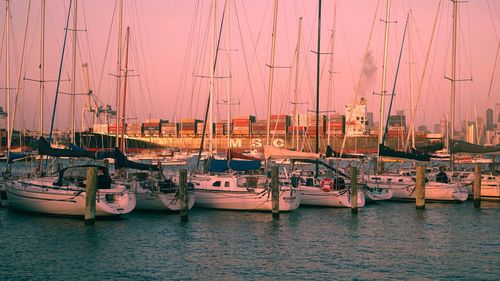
(400, 180)
(389, 180)
(217, 183)
(226, 184)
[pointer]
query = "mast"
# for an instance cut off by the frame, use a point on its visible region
(213, 51)
(7, 73)
(271, 72)
(330, 72)
(73, 73)
(295, 91)
(118, 72)
(229, 80)
(412, 106)
(42, 65)
(318, 54)
(127, 37)
(453, 67)
(384, 71)
(384, 80)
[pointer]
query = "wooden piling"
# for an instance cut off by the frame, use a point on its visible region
(420, 187)
(90, 196)
(275, 191)
(477, 186)
(183, 195)
(353, 173)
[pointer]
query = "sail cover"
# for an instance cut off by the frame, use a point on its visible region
(44, 148)
(412, 155)
(332, 153)
(219, 166)
(457, 146)
(121, 161)
(271, 152)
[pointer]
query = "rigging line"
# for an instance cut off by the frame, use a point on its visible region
(492, 20)
(101, 75)
(395, 81)
(147, 77)
(421, 82)
(90, 53)
(365, 61)
(185, 65)
(200, 58)
(19, 79)
(209, 101)
(246, 59)
(255, 56)
(59, 74)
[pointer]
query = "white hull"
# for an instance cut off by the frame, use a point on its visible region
(377, 194)
(235, 197)
(315, 196)
(155, 201)
(41, 196)
(490, 187)
(403, 188)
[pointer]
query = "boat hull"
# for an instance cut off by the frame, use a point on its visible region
(155, 201)
(250, 200)
(315, 196)
(40, 196)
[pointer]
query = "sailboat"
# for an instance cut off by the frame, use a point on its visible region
(65, 193)
(237, 184)
(316, 189)
(402, 183)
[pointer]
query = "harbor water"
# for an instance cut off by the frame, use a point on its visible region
(383, 241)
(389, 240)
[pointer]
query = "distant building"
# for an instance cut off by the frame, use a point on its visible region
(489, 119)
(369, 118)
(397, 121)
(422, 128)
(444, 127)
(437, 129)
(356, 120)
(470, 133)
(480, 130)
(497, 115)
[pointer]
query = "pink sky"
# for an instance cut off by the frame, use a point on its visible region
(169, 43)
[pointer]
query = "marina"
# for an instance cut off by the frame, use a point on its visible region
(237, 144)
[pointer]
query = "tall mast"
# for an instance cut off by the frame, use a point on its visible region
(229, 80)
(127, 38)
(271, 72)
(7, 70)
(213, 51)
(73, 73)
(384, 73)
(453, 67)
(318, 54)
(413, 106)
(295, 90)
(330, 72)
(118, 72)
(42, 64)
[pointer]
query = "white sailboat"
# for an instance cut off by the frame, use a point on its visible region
(403, 184)
(65, 194)
(226, 187)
